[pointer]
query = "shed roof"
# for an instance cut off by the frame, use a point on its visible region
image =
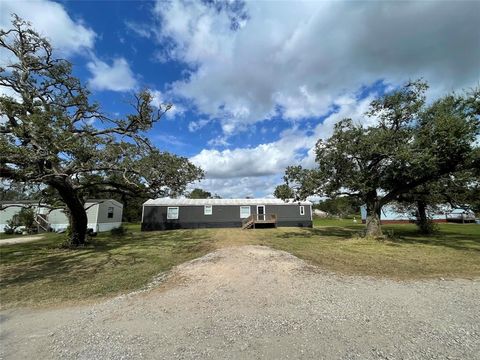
(36, 202)
(99, 201)
(202, 202)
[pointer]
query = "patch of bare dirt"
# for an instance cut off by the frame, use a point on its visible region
(20, 239)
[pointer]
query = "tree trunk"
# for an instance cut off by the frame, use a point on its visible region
(78, 224)
(77, 214)
(374, 228)
(423, 222)
(422, 219)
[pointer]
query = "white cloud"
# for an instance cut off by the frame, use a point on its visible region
(293, 147)
(297, 58)
(160, 100)
(241, 187)
(140, 29)
(197, 125)
(218, 141)
(257, 170)
(50, 19)
(115, 77)
(264, 159)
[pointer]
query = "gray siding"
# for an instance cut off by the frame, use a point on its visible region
(57, 217)
(96, 214)
(155, 217)
(102, 215)
(289, 215)
(8, 213)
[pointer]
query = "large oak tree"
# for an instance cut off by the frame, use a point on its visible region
(52, 134)
(409, 145)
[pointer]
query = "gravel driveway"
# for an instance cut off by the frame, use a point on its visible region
(253, 302)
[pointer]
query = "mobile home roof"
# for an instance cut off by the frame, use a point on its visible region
(203, 202)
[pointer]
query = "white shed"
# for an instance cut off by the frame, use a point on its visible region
(103, 214)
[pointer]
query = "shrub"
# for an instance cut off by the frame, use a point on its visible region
(26, 218)
(119, 231)
(427, 227)
(9, 231)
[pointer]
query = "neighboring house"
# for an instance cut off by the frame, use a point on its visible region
(390, 214)
(103, 214)
(166, 213)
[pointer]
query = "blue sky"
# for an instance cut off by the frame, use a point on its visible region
(256, 84)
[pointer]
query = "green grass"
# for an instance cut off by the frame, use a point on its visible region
(42, 273)
(335, 245)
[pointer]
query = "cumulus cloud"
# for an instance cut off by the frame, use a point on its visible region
(51, 20)
(160, 100)
(264, 159)
(296, 58)
(115, 77)
(197, 125)
(294, 146)
(244, 170)
(241, 187)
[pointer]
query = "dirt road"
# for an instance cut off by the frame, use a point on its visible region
(253, 302)
(20, 239)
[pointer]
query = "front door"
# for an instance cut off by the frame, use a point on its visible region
(261, 212)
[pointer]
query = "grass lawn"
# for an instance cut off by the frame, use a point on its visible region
(41, 273)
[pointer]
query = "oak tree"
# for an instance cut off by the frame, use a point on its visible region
(410, 144)
(52, 134)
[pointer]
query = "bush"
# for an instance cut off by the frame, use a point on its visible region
(9, 231)
(427, 227)
(119, 231)
(25, 218)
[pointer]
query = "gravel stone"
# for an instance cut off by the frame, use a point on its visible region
(253, 302)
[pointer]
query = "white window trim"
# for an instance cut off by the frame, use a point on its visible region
(205, 212)
(249, 212)
(302, 210)
(168, 213)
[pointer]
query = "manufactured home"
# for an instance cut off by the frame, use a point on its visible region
(167, 213)
(103, 214)
(392, 214)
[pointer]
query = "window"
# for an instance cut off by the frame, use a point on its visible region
(207, 210)
(110, 213)
(302, 210)
(172, 213)
(244, 212)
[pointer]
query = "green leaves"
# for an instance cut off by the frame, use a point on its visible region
(410, 144)
(53, 133)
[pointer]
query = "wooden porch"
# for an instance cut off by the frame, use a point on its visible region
(254, 219)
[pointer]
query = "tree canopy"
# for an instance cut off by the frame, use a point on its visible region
(52, 134)
(340, 206)
(198, 193)
(459, 190)
(410, 144)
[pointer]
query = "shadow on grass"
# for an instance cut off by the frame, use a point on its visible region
(45, 260)
(458, 237)
(467, 242)
(324, 232)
